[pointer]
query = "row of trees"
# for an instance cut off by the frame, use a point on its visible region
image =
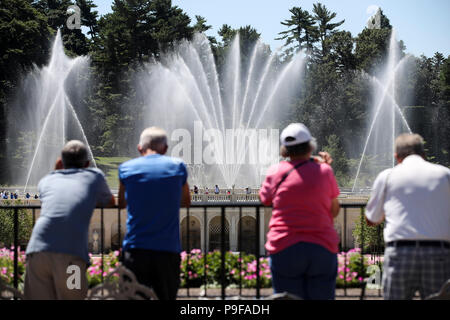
(335, 98)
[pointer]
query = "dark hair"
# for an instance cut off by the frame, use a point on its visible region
(74, 155)
(300, 149)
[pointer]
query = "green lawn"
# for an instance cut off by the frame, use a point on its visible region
(109, 166)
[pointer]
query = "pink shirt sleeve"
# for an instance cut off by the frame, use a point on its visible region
(266, 191)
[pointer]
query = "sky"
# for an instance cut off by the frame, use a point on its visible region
(423, 25)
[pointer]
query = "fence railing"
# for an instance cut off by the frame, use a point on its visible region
(220, 210)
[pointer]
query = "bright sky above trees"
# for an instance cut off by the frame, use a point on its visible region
(422, 24)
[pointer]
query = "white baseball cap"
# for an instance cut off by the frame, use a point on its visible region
(294, 134)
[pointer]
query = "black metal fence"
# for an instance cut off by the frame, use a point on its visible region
(375, 250)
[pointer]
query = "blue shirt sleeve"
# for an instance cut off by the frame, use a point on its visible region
(104, 194)
(184, 173)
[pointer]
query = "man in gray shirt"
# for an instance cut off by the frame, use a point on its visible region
(57, 254)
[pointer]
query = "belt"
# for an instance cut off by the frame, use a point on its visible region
(419, 243)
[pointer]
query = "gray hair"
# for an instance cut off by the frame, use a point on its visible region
(153, 138)
(74, 154)
(407, 144)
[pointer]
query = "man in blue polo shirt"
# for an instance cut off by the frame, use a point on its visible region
(153, 187)
(58, 246)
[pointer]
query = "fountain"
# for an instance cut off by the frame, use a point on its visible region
(386, 122)
(49, 118)
(223, 121)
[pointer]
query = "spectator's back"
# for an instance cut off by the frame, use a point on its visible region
(153, 186)
(418, 191)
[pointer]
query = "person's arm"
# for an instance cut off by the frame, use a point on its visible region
(105, 198)
(185, 196)
(122, 200)
(373, 224)
(375, 207)
(335, 207)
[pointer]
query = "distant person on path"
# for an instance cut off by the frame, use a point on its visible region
(27, 196)
(216, 190)
(153, 187)
(195, 189)
(302, 241)
(414, 199)
(60, 237)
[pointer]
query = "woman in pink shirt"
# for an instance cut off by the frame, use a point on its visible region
(302, 241)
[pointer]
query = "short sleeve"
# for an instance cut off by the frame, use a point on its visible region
(266, 191)
(104, 194)
(374, 208)
(184, 173)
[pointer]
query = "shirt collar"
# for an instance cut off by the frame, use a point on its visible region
(412, 158)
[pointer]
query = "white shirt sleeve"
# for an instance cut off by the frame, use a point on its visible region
(374, 208)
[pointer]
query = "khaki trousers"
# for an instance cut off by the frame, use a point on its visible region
(55, 276)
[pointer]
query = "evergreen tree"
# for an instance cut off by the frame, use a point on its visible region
(325, 28)
(302, 32)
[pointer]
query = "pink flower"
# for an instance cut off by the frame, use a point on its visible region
(341, 276)
(4, 270)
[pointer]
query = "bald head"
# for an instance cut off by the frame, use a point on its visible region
(407, 144)
(75, 155)
(153, 138)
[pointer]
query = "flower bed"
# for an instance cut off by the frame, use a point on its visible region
(351, 273)
(7, 266)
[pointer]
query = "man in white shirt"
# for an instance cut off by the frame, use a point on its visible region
(414, 199)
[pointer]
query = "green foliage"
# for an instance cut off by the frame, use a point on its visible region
(302, 32)
(25, 219)
(372, 236)
(334, 100)
(193, 269)
(340, 160)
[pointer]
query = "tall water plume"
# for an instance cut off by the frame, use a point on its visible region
(48, 104)
(386, 121)
(187, 95)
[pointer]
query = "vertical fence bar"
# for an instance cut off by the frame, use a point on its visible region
(16, 247)
(205, 246)
(362, 274)
(102, 227)
(119, 229)
(380, 246)
(345, 251)
(258, 280)
(188, 251)
(34, 216)
(222, 250)
(240, 250)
